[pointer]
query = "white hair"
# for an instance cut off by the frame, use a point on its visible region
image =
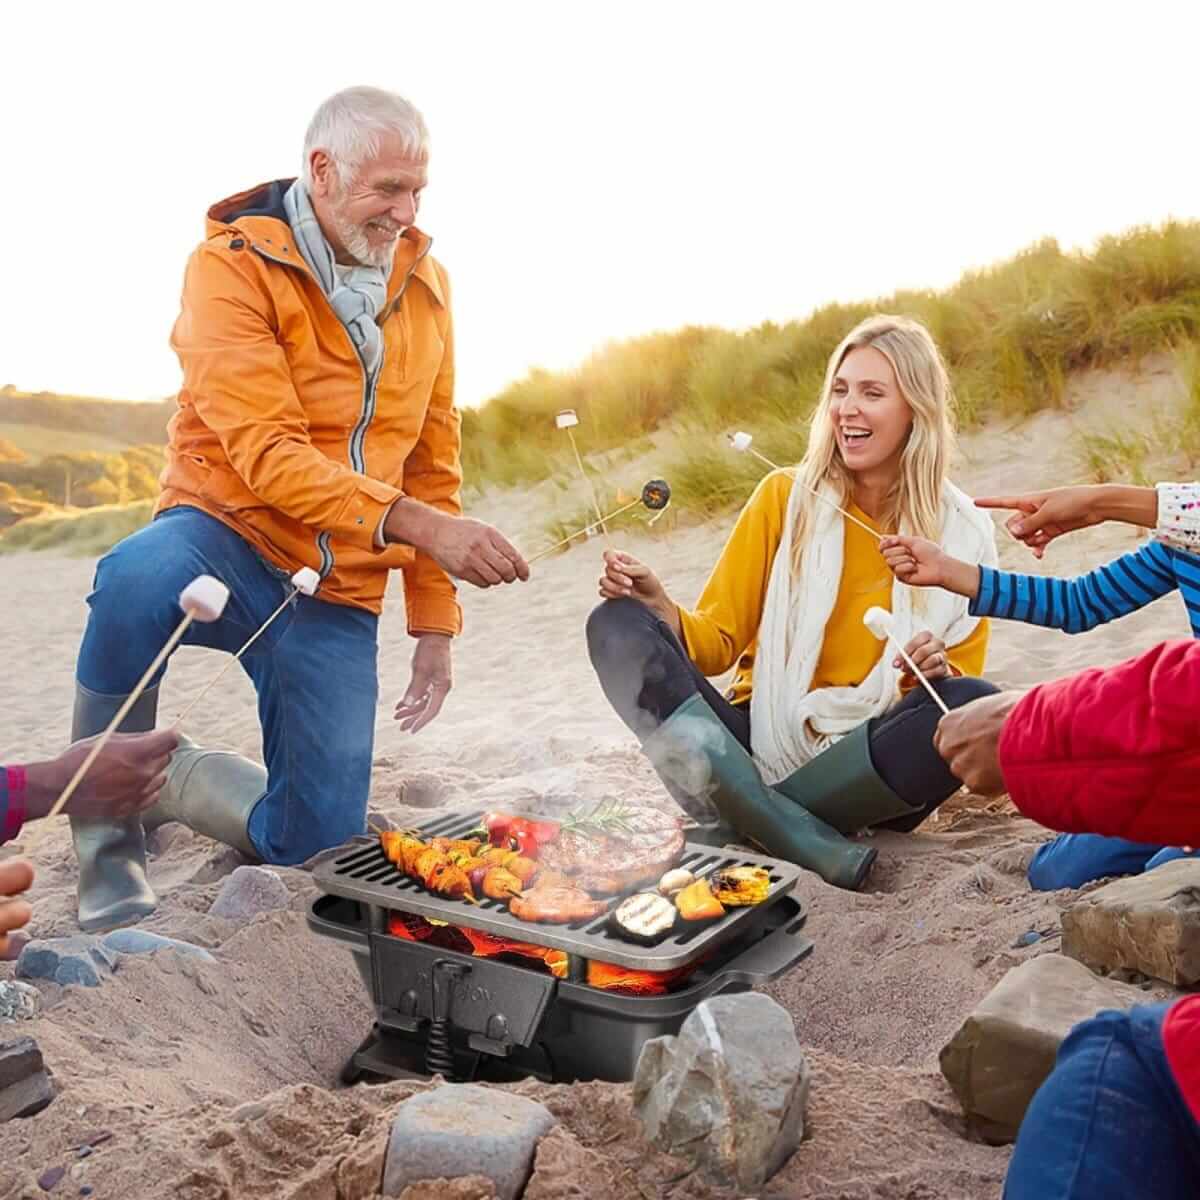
(349, 125)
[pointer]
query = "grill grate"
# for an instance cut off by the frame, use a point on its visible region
(363, 873)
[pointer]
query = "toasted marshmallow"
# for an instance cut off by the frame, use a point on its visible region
(565, 419)
(879, 622)
(306, 580)
(740, 441)
(204, 598)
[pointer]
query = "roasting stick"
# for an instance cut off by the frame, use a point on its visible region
(656, 496)
(203, 599)
(567, 419)
(305, 581)
(879, 622)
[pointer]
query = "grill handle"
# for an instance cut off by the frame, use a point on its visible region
(772, 956)
(339, 932)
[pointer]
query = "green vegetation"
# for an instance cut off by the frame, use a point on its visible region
(83, 532)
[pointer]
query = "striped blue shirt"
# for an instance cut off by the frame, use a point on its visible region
(1076, 605)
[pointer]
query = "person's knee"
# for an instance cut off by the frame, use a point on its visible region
(614, 625)
(963, 689)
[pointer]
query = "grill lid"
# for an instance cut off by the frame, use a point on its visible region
(363, 873)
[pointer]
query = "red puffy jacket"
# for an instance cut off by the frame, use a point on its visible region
(1117, 751)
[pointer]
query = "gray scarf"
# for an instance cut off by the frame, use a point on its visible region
(357, 296)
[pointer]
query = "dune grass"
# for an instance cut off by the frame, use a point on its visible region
(77, 532)
(1011, 335)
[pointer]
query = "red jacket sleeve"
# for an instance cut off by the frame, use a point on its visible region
(1112, 750)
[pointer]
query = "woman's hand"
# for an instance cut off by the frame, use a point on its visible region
(922, 563)
(929, 657)
(16, 876)
(624, 575)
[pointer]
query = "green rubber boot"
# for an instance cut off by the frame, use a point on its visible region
(696, 754)
(212, 792)
(113, 889)
(842, 787)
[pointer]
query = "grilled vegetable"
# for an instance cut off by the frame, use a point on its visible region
(741, 886)
(675, 881)
(644, 917)
(697, 903)
(499, 883)
(442, 876)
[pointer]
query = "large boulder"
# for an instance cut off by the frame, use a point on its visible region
(459, 1130)
(728, 1093)
(1004, 1050)
(1148, 923)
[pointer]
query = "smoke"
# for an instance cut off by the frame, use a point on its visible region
(680, 754)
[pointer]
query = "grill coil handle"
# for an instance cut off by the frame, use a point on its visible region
(439, 1053)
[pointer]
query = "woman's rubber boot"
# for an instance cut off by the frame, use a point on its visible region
(212, 792)
(113, 888)
(842, 787)
(695, 753)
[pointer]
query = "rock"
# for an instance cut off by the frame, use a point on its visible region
(19, 1001)
(1148, 923)
(25, 1087)
(565, 1169)
(728, 1093)
(80, 959)
(49, 1180)
(1004, 1050)
(14, 943)
(250, 891)
(458, 1129)
(221, 863)
(140, 941)
(465, 1187)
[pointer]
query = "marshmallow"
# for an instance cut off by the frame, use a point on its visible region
(306, 580)
(565, 419)
(740, 441)
(656, 494)
(204, 598)
(879, 622)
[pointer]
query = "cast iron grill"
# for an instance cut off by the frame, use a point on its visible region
(363, 873)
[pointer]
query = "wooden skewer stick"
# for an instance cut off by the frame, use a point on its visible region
(567, 420)
(202, 600)
(305, 581)
(879, 622)
(656, 496)
(586, 529)
(741, 442)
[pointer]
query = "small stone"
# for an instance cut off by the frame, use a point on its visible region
(14, 944)
(1028, 938)
(727, 1094)
(19, 1001)
(49, 1180)
(248, 892)
(141, 941)
(87, 1190)
(84, 1152)
(1148, 923)
(462, 1129)
(1004, 1049)
(79, 960)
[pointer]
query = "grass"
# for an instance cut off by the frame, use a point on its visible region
(78, 532)
(38, 441)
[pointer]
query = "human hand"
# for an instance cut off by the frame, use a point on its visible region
(463, 547)
(16, 876)
(929, 657)
(1040, 517)
(969, 740)
(430, 684)
(126, 777)
(624, 575)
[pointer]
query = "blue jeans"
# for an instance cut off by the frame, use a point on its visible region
(1073, 859)
(1109, 1123)
(314, 670)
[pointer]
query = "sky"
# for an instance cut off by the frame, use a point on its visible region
(599, 170)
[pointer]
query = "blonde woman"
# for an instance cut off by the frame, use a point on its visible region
(822, 733)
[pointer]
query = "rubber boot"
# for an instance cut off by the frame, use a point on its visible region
(113, 889)
(842, 787)
(212, 792)
(697, 754)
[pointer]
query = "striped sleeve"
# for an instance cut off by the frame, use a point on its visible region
(1075, 605)
(12, 802)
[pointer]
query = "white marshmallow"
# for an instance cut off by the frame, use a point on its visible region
(565, 419)
(306, 580)
(740, 441)
(879, 622)
(205, 598)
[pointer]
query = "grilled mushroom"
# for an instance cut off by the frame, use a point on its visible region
(644, 917)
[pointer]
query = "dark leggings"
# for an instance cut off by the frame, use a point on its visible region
(646, 675)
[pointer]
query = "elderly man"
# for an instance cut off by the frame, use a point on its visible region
(316, 427)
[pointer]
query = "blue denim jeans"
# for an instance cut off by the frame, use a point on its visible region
(314, 670)
(1073, 859)
(1109, 1123)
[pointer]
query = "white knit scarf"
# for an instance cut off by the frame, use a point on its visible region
(789, 724)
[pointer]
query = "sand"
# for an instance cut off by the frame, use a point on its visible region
(220, 1080)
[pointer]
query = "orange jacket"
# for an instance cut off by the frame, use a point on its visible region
(276, 435)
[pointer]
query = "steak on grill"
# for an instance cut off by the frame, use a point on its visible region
(615, 862)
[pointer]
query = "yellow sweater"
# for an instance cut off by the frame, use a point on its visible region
(723, 627)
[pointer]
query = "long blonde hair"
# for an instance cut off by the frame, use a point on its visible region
(915, 503)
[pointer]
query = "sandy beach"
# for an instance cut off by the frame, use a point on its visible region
(220, 1080)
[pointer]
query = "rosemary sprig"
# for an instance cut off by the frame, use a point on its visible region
(609, 816)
